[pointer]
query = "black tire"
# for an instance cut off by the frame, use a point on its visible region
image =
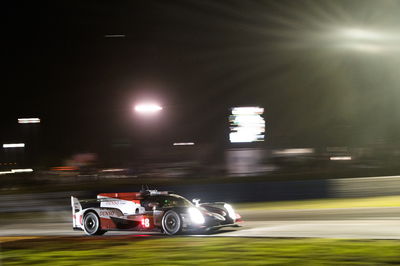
(171, 223)
(91, 224)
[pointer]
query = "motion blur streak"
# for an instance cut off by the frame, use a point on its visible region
(28, 120)
(114, 36)
(340, 158)
(114, 170)
(148, 108)
(183, 144)
(28, 170)
(247, 125)
(5, 172)
(14, 145)
(294, 151)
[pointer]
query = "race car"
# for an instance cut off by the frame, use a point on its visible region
(150, 210)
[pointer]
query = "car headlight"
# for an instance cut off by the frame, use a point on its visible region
(230, 210)
(196, 216)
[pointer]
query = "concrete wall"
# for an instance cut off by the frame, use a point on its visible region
(232, 192)
(364, 186)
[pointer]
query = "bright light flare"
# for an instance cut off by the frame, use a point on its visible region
(28, 120)
(196, 216)
(365, 40)
(360, 34)
(14, 145)
(148, 108)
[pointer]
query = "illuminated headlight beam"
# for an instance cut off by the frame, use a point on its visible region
(196, 216)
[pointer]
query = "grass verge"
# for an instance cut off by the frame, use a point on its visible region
(198, 251)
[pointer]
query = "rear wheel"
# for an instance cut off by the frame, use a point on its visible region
(171, 223)
(91, 224)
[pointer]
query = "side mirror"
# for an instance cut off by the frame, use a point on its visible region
(196, 201)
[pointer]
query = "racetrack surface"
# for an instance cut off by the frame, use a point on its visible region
(366, 223)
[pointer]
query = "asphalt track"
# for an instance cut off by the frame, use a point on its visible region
(362, 223)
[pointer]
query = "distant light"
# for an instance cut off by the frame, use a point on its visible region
(183, 143)
(63, 168)
(5, 172)
(13, 171)
(114, 36)
(28, 120)
(294, 151)
(114, 170)
(14, 145)
(148, 108)
(366, 41)
(340, 158)
(246, 124)
(247, 110)
(27, 170)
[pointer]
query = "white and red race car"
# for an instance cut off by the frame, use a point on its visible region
(149, 210)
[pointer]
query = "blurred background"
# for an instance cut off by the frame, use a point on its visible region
(241, 101)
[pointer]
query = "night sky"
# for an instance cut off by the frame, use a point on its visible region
(319, 86)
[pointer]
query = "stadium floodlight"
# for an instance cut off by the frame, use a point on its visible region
(148, 108)
(366, 40)
(28, 120)
(14, 145)
(361, 34)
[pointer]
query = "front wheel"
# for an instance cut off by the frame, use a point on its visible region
(91, 224)
(171, 223)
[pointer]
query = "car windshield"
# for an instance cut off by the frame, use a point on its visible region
(172, 201)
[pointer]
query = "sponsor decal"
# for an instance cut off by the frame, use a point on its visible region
(108, 213)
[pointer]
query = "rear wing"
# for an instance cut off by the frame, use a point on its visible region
(76, 207)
